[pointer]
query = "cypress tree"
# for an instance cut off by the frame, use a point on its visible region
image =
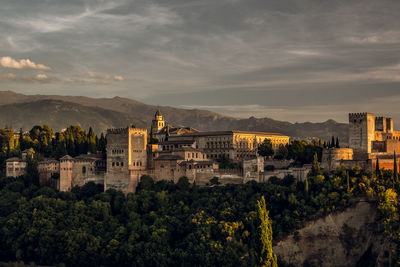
(324, 144)
(333, 142)
(337, 142)
(348, 182)
(267, 257)
(306, 187)
(315, 167)
(21, 140)
(377, 170)
(395, 173)
(91, 141)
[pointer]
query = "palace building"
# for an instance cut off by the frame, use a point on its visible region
(371, 139)
(179, 152)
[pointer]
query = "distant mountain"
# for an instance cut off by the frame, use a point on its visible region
(59, 112)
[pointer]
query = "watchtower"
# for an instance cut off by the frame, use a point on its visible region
(362, 131)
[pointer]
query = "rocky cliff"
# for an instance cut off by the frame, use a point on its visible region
(348, 238)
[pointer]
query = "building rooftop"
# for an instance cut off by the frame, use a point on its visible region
(177, 130)
(231, 132)
(169, 157)
(177, 142)
(66, 157)
(48, 160)
(15, 159)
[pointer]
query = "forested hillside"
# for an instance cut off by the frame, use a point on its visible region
(166, 224)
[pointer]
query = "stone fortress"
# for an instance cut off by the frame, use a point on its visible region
(371, 139)
(174, 152)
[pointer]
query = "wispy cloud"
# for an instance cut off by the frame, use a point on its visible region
(94, 16)
(305, 52)
(9, 62)
(42, 78)
(104, 78)
(8, 76)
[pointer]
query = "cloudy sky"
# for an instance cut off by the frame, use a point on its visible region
(294, 60)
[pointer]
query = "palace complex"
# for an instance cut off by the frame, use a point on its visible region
(169, 153)
(371, 140)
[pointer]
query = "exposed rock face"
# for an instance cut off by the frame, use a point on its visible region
(337, 240)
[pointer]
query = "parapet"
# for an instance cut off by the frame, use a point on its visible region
(117, 130)
(362, 115)
(138, 130)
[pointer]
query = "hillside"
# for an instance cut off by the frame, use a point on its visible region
(59, 114)
(20, 110)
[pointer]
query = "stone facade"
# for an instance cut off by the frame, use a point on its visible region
(81, 170)
(15, 167)
(370, 138)
(253, 169)
(370, 134)
(49, 172)
(299, 174)
(332, 157)
(186, 161)
(181, 152)
(234, 145)
(126, 158)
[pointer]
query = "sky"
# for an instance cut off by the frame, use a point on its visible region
(294, 60)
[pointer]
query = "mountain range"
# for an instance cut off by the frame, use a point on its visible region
(24, 111)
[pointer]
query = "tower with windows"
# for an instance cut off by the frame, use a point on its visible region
(158, 122)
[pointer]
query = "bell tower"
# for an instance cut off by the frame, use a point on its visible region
(158, 123)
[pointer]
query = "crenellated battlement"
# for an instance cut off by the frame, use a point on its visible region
(125, 130)
(138, 130)
(358, 115)
(118, 130)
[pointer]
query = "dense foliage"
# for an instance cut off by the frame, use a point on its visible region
(163, 223)
(300, 151)
(46, 143)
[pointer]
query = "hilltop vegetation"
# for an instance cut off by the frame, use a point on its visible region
(168, 224)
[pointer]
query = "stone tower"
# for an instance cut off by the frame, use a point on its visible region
(362, 131)
(158, 123)
(126, 158)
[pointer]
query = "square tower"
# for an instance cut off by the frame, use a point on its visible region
(361, 131)
(126, 158)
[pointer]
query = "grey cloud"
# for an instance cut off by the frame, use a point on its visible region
(269, 54)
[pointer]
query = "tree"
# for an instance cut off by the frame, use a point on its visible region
(265, 148)
(152, 139)
(333, 144)
(377, 170)
(91, 141)
(315, 167)
(146, 183)
(337, 142)
(102, 144)
(183, 183)
(348, 182)
(31, 170)
(267, 257)
(395, 172)
(282, 153)
(306, 187)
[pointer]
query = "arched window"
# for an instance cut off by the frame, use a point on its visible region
(83, 170)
